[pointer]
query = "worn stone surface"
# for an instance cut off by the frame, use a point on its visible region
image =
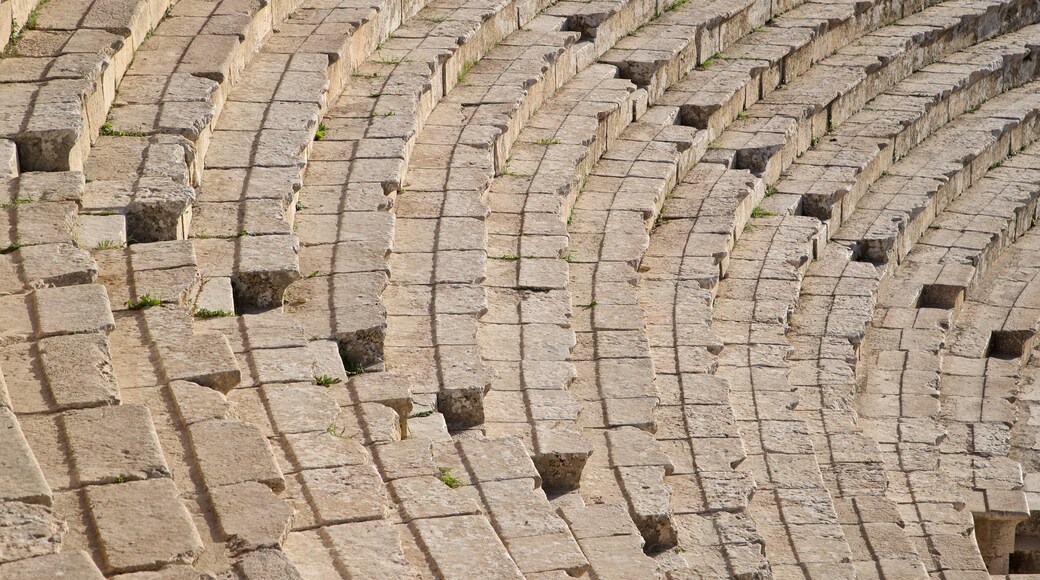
(609, 289)
(29, 530)
(114, 445)
(142, 525)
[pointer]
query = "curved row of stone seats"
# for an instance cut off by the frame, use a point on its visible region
(937, 274)
(981, 368)
(521, 82)
(609, 235)
(192, 92)
(525, 333)
(732, 78)
(611, 245)
(785, 123)
(381, 117)
(834, 426)
(505, 235)
(828, 181)
(244, 216)
(360, 163)
(664, 50)
(827, 337)
(264, 149)
(501, 150)
(58, 80)
(899, 207)
(182, 74)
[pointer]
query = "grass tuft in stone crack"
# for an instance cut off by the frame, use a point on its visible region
(207, 313)
(448, 479)
(327, 381)
(108, 245)
(15, 203)
(759, 212)
(143, 302)
(331, 430)
(320, 134)
(421, 414)
(548, 141)
(353, 368)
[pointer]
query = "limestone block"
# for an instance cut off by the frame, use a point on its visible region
(142, 525)
(114, 444)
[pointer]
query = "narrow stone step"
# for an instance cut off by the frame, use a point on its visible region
(826, 383)
(933, 282)
(872, 139)
(58, 79)
(458, 259)
(785, 124)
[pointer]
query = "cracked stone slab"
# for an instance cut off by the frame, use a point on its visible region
(234, 452)
(79, 370)
(251, 516)
(142, 525)
(20, 476)
(114, 444)
(73, 310)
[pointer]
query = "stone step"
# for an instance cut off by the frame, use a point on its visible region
(872, 139)
(824, 383)
(59, 79)
(729, 82)
(379, 161)
(785, 123)
(458, 261)
(529, 305)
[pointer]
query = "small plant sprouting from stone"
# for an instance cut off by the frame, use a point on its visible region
(331, 430)
(327, 381)
(353, 368)
(107, 130)
(507, 257)
(14, 246)
(468, 66)
(709, 62)
(313, 274)
(771, 191)
(121, 479)
(742, 115)
(759, 212)
(14, 203)
(588, 305)
(320, 133)
(448, 479)
(207, 313)
(107, 245)
(143, 302)
(388, 60)
(421, 414)
(371, 75)
(548, 141)
(242, 233)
